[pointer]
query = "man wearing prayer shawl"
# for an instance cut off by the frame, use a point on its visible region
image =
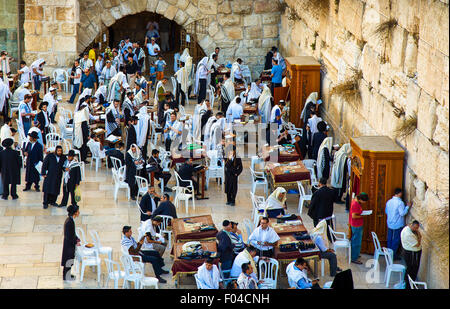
(235, 110)
(81, 130)
(310, 103)
(248, 255)
(325, 253)
(139, 94)
(128, 107)
(340, 171)
(113, 119)
(276, 203)
(215, 139)
(108, 72)
(207, 129)
(322, 204)
(297, 275)
(100, 95)
(25, 114)
(199, 110)
(52, 107)
(143, 129)
(19, 93)
(134, 167)
(52, 171)
(324, 158)
(208, 276)
(71, 178)
(246, 280)
(264, 238)
(201, 79)
(115, 87)
(5, 93)
(317, 139)
(264, 104)
(227, 92)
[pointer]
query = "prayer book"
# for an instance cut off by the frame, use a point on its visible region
(366, 212)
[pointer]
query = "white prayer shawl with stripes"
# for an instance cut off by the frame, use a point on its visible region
(143, 124)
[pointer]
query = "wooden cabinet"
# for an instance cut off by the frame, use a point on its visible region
(377, 169)
(303, 77)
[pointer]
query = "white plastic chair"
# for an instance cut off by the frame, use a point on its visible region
(101, 249)
(132, 271)
(258, 203)
(391, 267)
(302, 197)
(154, 135)
(415, 284)
(165, 228)
(215, 171)
(378, 251)
(90, 260)
(313, 178)
(255, 160)
(13, 107)
(52, 140)
(114, 273)
(51, 128)
(147, 281)
(116, 163)
(268, 271)
(174, 86)
(65, 129)
(259, 179)
(95, 151)
(119, 182)
(184, 193)
(142, 184)
(249, 227)
(339, 240)
(309, 163)
(65, 83)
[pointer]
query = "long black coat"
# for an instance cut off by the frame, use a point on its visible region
(166, 209)
(41, 120)
(70, 242)
(35, 155)
(54, 171)
(317, 140)
(322, 203)
(232, 171)
(10, 165)
(131, 136)
(130, 170)
(147, 205)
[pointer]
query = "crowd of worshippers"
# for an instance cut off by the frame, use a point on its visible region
(239, 260)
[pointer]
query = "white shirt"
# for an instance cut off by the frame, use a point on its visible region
(25, 76)
(51, 102)
(77, 73)
(273, 113)
(152, 49)
(147, 227)
(240, 259)
(86, 64)
(259, 235)
(409, 240)
(234, 112)
(203, 72)
(5, 132)
(312, 122)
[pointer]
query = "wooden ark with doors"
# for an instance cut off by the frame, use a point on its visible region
(377, 169)
(302, 78)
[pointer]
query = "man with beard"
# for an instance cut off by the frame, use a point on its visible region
(34, 153)
(10, 164)
(72, 178)
(52, 170)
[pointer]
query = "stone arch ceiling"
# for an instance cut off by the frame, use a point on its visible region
(226, 22)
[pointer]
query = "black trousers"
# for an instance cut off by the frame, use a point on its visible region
(28, 184)
(6, 190)
(167, 144)
(49, 198)
(83, 152)
(65, 197)
(231, 196)
(153, 257)
(266, 253)
(164, 176)
(180, 93)
(329, 223)
(412, 260)
(202, 90)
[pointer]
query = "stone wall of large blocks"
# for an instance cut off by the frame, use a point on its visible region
(242, 28)
(404, 73)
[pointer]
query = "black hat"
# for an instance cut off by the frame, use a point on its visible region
(33, 135)
(8, 142)
(42, 104)
(71, 153)
(322, 126)
(72, 209)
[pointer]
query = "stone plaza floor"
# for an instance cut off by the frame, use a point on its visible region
(31, 237)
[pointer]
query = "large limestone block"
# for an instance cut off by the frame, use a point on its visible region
(412, 98)
(193, 12)
(50, 27)
(107, 18)
(34, 12)
(64, 43)
(270, 18)
(242, 6)
(208, 7)
(181, 17)
(170, 12)
(38, 43)
(270, 31)
(427, 153)
(254, 32)
(213, 28)
(351, 16)
(370, 66)
(352, 53)
(427, 118)
(224, 8)
(229, 20)
(406, 13)
(252, 20)
(441, 134)
(263, 6)
(266, 43)
(429, 69)
(65, 13)
(152, 4)
(434, 24)
(371, 20)
(68, 28)
(233, 33)
(436, 220)
(410, 65)
(398, 41)
(162, 7)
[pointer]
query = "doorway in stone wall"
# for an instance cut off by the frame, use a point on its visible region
(136, 26)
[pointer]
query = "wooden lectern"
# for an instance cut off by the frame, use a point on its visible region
(377, 169)
(303, 77)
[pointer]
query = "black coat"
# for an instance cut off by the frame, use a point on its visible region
(74, 178)
(54, 172)
(166, 209)
(232, 170)
(41, 120)
(146, 205)
(157, 169)
(224, 247)
(186, 171)
(131, 136)
(321, 205)
(268, 62)
(70, 242)
(317, 140)
(35, 155)
(10, 164)
(115, 153)
(130, 170)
